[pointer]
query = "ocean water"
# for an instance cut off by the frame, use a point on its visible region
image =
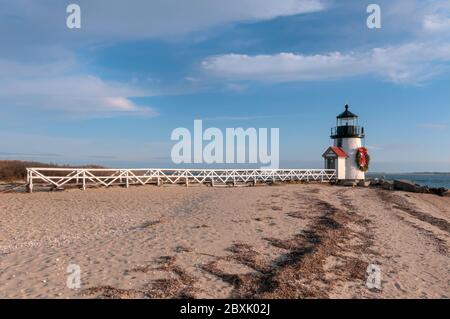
(431, 180)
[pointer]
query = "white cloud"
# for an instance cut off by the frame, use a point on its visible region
(425, 56)
(411, 63)
(419, 18)
(408, 63)
(107, 20)
(120, 103)
(436, 18)
(10, 68)
(281, 67)
(38, 66)
(436, 23)
(51, 87)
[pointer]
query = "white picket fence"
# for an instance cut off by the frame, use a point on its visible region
(81, 177)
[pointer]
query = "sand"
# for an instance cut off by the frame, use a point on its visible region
(288, 241)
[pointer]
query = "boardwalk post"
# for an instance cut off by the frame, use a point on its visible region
(30, 181)
(84, 180)
(128, 183)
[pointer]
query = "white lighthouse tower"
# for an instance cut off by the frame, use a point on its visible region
(342, 157)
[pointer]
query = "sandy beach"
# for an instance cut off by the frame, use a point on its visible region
(286, 241)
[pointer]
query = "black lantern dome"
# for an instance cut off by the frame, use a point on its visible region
(347, 126)
(346, 114)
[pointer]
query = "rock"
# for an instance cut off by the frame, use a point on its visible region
(364, 183)
(388, 185)
(408, 186)
(441, 191)
(350, 183)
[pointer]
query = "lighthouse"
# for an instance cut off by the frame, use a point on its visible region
(347, 155)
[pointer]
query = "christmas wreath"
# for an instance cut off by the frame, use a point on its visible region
(362, 159)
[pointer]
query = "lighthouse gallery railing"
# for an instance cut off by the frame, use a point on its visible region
(60, 177)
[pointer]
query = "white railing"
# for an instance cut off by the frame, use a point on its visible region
(81, 177)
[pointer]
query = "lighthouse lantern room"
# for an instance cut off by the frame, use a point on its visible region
(347, 156)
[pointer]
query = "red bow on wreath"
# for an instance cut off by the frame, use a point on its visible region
(362, 158)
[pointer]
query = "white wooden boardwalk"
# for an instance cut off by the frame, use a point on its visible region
(83, 178)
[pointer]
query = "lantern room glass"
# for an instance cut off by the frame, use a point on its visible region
(347, 121)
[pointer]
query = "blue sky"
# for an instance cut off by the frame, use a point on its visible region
(112, 92)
